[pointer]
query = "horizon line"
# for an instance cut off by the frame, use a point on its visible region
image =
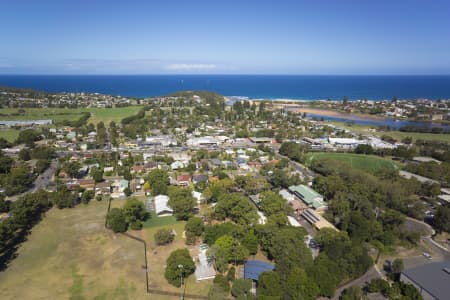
(218, 74)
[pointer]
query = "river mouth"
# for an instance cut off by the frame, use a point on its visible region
(375, 121)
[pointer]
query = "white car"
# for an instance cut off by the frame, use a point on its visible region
(427, 255)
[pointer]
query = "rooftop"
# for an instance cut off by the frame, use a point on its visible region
(253, 268)
(308, 195)
(432, 278)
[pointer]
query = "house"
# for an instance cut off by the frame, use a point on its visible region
(254, 164)
(214, 163)
(150, 165)
(136, 169)
(87, 184)
(108, 169)
(118, 188)
(309, 196)
(262, 140)
(184, 180)
(161, 206)
(176, 165)
(199, 178)
(254, 268)
(103, 188)
(135, 184)
(198, 196)
(432, 280)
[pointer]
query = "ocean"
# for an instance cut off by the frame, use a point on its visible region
(300, 87)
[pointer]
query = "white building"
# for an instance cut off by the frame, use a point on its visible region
(161, 206)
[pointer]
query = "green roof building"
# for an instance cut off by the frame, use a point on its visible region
(309, 196)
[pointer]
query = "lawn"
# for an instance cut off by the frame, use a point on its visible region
(9, 134)
(59, 114)
(368, 163)
(155, 221)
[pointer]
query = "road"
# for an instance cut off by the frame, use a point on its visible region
(372, 273)
(41, 182)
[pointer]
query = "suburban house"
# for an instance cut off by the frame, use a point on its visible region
(254, 268)
(103, 188)
(309, 196)
(87, 184)
(161, 206)
(118, 188)
(183, 180)
(199, 178)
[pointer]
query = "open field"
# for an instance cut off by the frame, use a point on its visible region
(9, 134)
(70, 255)
(398, 135)
(368, 163)
(60, 114)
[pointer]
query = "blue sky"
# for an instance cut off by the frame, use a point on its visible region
(224, 37)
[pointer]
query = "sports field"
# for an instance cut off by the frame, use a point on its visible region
(70, 255)
(368, 163)
(60, 114)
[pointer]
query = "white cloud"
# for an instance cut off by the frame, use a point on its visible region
(190, 67)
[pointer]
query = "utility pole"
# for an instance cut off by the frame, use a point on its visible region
(182, 280)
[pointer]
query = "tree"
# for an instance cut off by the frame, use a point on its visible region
(354, 292)
(134, 210)
(300, 286)
(250, 241)
(87, 196)
(173, 273)
(222, 281)
(219, 256)
(195, 225)
(272, 203)
(269, 285)
(116, 220)
(72, 168)
(442, 219)
(28, 137)
(158, 180)
(182, 202)
(364, 149)
(237, 207)
(25, 154)
(97, 174)
(127, 191)
(163, 236)
(241, 287)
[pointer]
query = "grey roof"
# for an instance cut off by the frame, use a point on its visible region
(432, 278)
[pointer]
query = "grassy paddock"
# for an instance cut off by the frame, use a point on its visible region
(60, 114)
(70, 255)
(368, 163)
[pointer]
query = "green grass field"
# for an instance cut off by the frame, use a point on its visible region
(368, 163)
(398, 135)
(70, 255)
(155, 221)
(59, 114)
(9, 134)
